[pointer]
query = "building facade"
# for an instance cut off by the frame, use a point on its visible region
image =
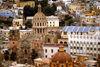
(18, 22)
(61, 59)
(83, 40)
(50, 49)
(13, 38)
(39, 23)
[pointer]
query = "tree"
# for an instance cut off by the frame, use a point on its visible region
(49, 10)
(67, 17)
(34, 54)
(28, 24)
(13, 56)
(6, 55)
(29, 11)
(70, 22)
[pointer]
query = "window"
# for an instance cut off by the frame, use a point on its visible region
(54, 65)
(65, 33)
(48, 40)
(62, 65)
(65, 42)
(46, 50)
(13, 32)
(25, 51)
(40, 24)
(51, 50)
(98, 43)
(61, 42)
(69, 65)
(45, 56)
(13, 42)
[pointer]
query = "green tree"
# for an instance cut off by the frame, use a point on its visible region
(67, 17)
(29, 11)
(28, 24)
(49, 10)
(13, 56)
(70, 22)
(6, 55)
(34, 54)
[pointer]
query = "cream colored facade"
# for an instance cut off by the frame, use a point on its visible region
(17, 22)
(52, 21)
(83, 40)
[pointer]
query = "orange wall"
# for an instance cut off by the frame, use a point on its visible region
(13, 43)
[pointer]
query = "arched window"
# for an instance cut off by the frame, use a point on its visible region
(61, 42)
(48, 40)
(25, 51)
(62, 65)
(40, 24)
(65, 42)
(54, 65)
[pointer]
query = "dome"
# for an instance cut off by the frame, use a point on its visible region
(39, 16)
(61, 56)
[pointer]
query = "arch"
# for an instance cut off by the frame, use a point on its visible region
(49, 40)
(65, 42)
(61, 42)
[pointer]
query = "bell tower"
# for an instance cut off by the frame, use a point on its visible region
(13, 38)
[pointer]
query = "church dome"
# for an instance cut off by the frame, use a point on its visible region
(61, 56)
(39, 16)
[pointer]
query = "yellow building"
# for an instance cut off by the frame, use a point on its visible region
(61, 59)
(64, 38)
(22, 4)
(17, 22)
(76, 6)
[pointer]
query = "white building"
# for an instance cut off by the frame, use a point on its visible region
(1, 1)
(52, 21)
(83, 40)
(51, 49)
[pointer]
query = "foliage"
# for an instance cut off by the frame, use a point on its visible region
(62, 23)
(69, 20)
(6, 22)
(67, 17)
(47, 10)
(6, 55)
(29, 11)
(28, 24)
(34, 54)
(13, 56)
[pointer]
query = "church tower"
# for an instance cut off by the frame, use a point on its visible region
(14, 37)
(39, 23)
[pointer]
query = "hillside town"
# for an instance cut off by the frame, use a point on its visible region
(49, 33)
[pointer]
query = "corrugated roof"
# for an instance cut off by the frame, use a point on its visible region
(79, 28)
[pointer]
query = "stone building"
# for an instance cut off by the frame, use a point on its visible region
(14, 37)
(52, 37)
(39, 23)
(24, 52)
